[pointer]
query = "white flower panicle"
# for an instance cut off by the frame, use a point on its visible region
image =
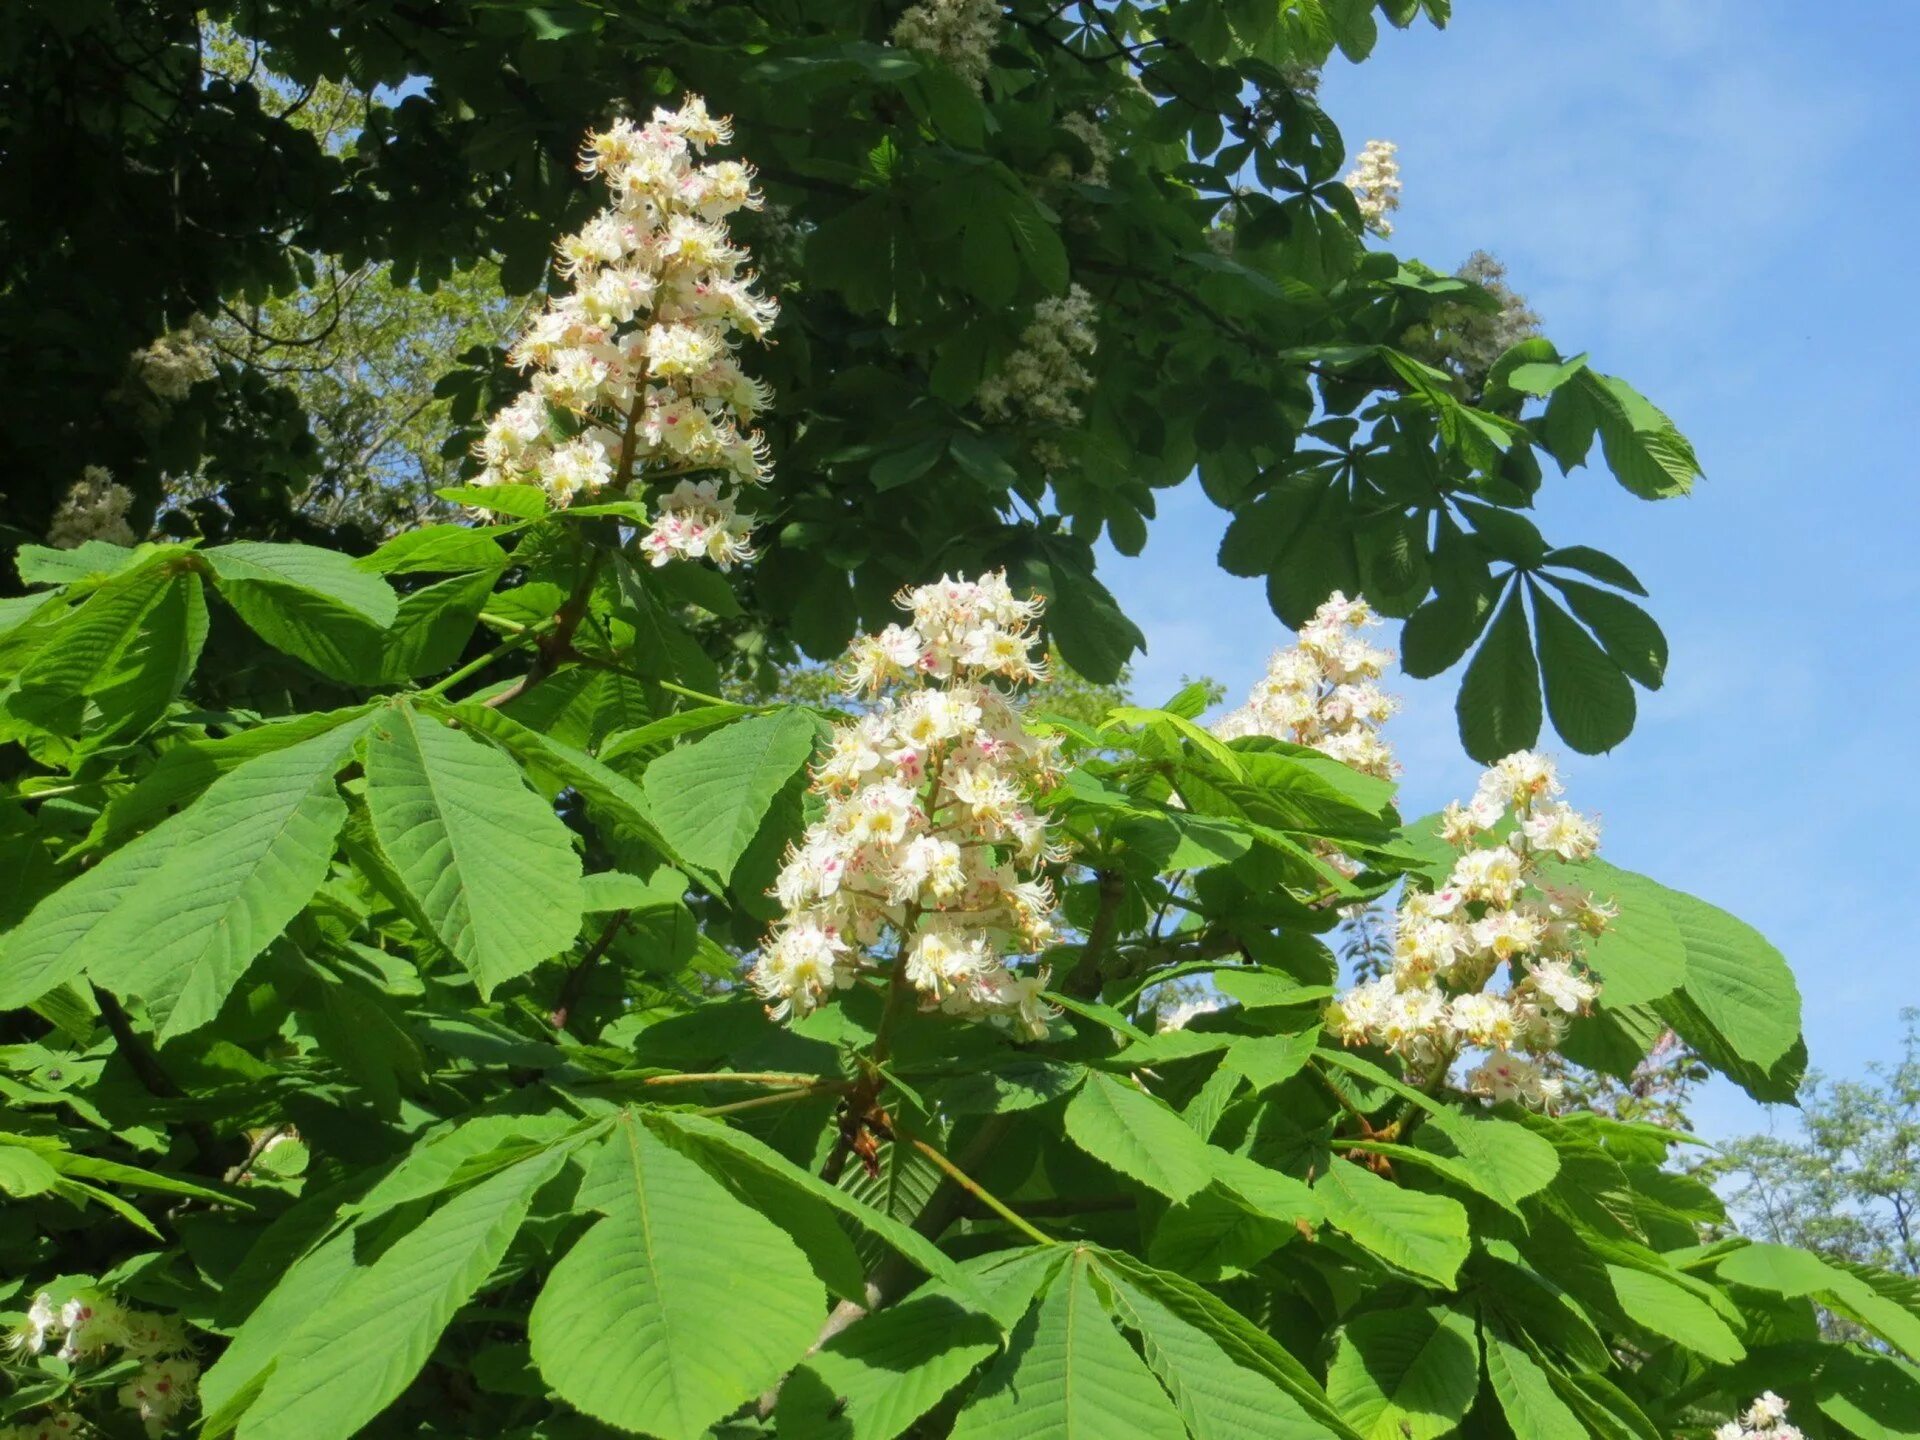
(94, 509)
(1765, 1419)
(634, 370)
(960, 32)
(1375, 183)
(1321, 691)
(931, 853)
(171, 366)
(1042, 380)
(89, 1324)
(1497, 913)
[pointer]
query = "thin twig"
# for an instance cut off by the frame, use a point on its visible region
(779, 1097)
(576, 980)
(148, 1070)
(740, 1077)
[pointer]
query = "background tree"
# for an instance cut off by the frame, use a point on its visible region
(936, 216)
(1848, 1184)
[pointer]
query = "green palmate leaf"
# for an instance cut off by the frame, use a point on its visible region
(1499, 701)
(1786, 1270)
(1019, 1084)
(436, 549)
(1068, 1374)
(1217, 1399)
(1244, 1343)
(1642, 955)
(86, 643)
(677, 1306)
(186, 770)
(1597, 563)
(1266, 1060)
(314, 604)
(92, 1167)
(1443, 629)
(614, 801)
(1269, 1191)
(1132, 1132)
(878, 1376)
(1588, 697)
(1645, 452)
(794, 1190)
(487, 861)
(354, 1354)
(177, 916)
(1525, 1393)
(44, 565)
(1669, 1309)
(1095, 637)
(1503, 1161)
(1628, 634)
(1405, 1374)
(1737, 981)
(1604, 1408)
(150, 673)
(25, 1172)
(1875, 1397)
(431, 629)
(528, 502)
(1216, 1235)
(611, 890)
(301, 1263)
(1420, 1233)
(118, 660)
(709, 798)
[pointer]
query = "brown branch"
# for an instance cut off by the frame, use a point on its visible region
(576, 981)
(151, 1074)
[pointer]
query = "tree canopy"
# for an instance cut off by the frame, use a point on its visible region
(472, 974)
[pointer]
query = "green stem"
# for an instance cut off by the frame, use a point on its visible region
(522, 635)
(741, 1077)
(600, 662)
(979, 1192)
(780, 1097)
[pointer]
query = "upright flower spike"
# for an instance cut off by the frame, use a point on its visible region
(1042, 381)
(635, 378)
(1496, 915)
(1375, 183)
(928, 863)
(1321, 691)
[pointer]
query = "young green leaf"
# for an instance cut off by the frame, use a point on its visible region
(709, 798)
(1406, 1374)
(679, 1305)
(1588, 697)
(353, 1355)
(1668, 1309)
(1067, 1374)
(1130, 1131)
(176, 916)
(1499, 702)
(1423, 1234)
(1526, 1394)
(488, 862)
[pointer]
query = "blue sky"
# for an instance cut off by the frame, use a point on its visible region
(1717, 201)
